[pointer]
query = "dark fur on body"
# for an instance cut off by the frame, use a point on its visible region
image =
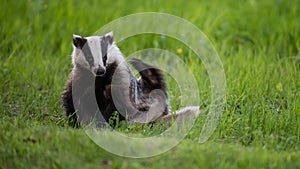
(135, 107)
(84, 88)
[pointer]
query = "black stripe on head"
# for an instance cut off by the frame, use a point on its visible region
(81, 43)
(106, 40)
(104, 45)
(86, 50)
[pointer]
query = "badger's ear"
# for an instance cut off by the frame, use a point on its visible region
(78, 41)
(109, 37)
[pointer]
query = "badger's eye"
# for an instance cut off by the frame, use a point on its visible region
(104, 59)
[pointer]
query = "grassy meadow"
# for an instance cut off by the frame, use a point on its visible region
(258, 43)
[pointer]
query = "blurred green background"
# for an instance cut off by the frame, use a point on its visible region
(257, 41)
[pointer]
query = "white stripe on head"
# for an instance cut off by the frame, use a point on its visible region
(94, 44)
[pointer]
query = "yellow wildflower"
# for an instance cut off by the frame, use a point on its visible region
(179, 51)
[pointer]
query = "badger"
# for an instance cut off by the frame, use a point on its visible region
(102, 84)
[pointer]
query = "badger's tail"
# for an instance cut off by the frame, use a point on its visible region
(151, 76)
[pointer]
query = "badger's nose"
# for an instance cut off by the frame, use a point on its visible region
(100, 71)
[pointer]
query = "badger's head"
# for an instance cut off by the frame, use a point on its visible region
(95, 53)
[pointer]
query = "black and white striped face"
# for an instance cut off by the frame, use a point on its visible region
(95, 52)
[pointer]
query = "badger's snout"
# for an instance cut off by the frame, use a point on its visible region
(100, 71)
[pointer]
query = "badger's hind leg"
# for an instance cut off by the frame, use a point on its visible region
(152, 96)
(151, 76)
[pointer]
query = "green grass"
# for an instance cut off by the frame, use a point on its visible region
(258, 43)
